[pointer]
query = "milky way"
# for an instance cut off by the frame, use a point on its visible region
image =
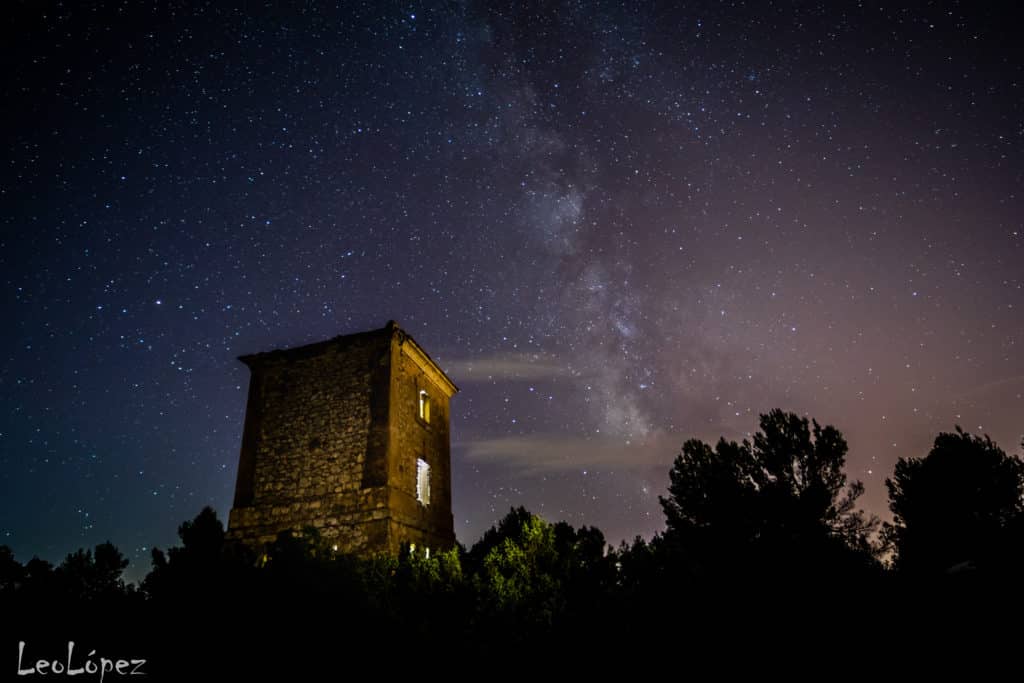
(616, 227)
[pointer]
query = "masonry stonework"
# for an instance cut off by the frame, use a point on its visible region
(332, 438)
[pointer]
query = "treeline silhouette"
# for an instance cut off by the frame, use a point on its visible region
(764, 550)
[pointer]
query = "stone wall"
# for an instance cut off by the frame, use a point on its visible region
(313, 425)
(411, 439)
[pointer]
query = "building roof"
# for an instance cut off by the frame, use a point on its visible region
(389, 331)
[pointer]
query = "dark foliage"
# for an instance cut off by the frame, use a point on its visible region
(958, 509)
(781, 504)
(757, 533)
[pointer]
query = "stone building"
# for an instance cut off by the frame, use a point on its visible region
(350, 436)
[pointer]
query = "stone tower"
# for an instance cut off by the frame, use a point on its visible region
(350, 436)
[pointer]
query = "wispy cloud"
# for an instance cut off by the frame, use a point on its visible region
(994, 385)
(509, 366)
(548, 453)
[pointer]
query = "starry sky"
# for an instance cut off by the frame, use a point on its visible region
(616, 226)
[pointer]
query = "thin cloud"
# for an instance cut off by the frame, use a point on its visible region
(548, 453)
(509, 366)
(994, 385)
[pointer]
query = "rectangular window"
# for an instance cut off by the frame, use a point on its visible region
(424, 406)
(423, 481)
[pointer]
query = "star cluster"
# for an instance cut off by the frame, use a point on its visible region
(617, 226)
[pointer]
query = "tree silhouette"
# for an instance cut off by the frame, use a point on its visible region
(11, 571)
(781, 502)
(960, 507)
(195, 566)
(93, 575)
(510, 526)
(39, 577)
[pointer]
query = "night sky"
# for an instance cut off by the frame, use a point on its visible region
(615, 227)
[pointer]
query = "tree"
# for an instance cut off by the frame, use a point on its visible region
(11, 571)
(586, 565)
(201, 566)
(959, 507)
(93, 575)
(519, 574)
(510, 526)
(782, 501)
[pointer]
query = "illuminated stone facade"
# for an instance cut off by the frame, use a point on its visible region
(350, 436)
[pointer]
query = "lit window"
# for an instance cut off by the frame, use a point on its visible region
(423, 481)
(424, 406)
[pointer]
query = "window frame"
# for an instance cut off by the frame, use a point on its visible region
(423, 481)
(423, 412)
